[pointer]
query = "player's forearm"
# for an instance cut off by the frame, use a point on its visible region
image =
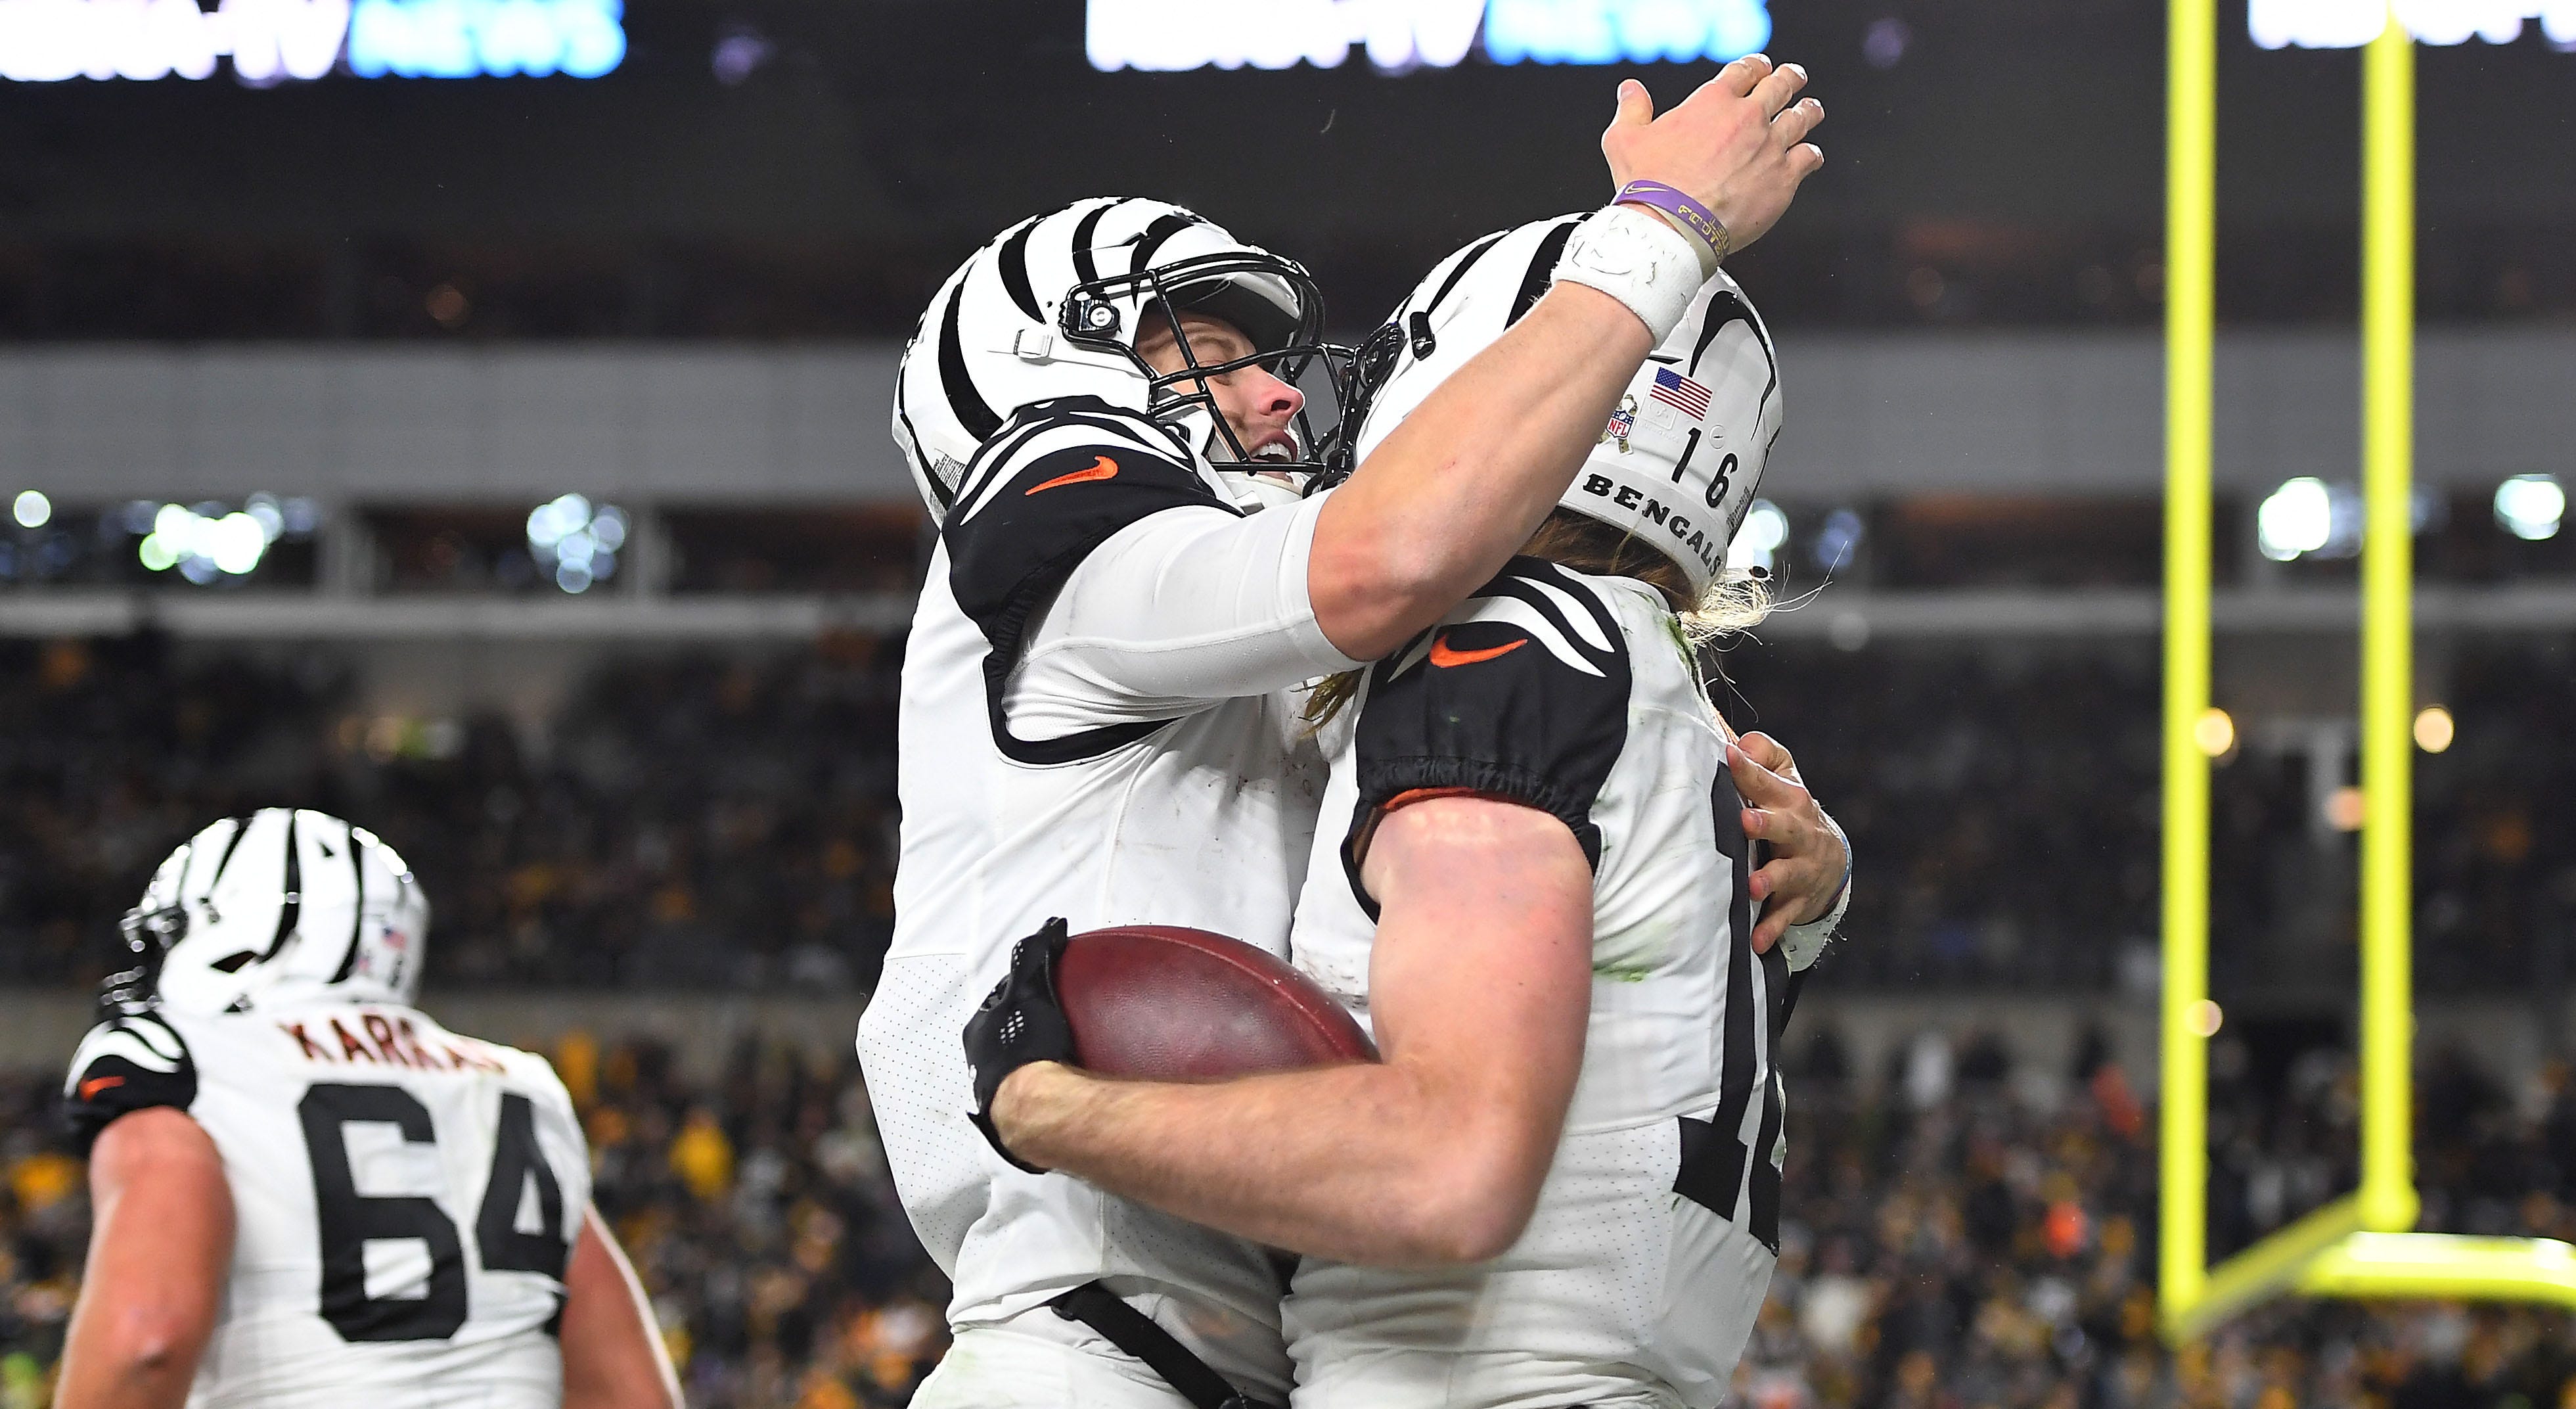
(1357, 1163)
(145, 1377)
(1453, 492)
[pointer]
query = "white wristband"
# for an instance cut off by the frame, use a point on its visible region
(1633, 256)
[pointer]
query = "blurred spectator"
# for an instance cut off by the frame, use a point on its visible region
(706, 820)
(726, 819)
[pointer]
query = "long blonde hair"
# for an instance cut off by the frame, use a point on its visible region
(1735, 601)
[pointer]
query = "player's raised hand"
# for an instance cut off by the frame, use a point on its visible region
(1739, 145)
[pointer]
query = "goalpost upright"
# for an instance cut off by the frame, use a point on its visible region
(2359, 1245)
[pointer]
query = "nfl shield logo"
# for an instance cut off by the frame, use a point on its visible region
(1623, 423)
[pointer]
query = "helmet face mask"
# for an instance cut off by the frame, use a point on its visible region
(1114, 313)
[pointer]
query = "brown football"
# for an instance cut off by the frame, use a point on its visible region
(1162, 1003)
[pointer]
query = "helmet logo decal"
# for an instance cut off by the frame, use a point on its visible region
(1101, 467)
(1623, 424)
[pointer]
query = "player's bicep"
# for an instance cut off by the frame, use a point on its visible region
(1481, 974)
(161, 1240)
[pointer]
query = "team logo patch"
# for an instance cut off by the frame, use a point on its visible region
(1623, 424)
(1676, 390)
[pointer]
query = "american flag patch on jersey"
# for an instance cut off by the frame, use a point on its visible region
(1674, 389)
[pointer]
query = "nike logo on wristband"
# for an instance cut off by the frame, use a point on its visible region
(96, 1084)
(1101, 468)
(1445, 658)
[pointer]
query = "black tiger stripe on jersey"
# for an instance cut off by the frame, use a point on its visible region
(1145, 434)
(132, 1062)
(1031, 520)
(1498, 707)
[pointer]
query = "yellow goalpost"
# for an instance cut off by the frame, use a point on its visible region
(2361, 1245)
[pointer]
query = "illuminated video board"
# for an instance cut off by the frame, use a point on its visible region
(1401, 35)
(270, 41)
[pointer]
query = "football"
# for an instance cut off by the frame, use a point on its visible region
(1162, 1003)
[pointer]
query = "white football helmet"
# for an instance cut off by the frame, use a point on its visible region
(1052, 308)
(1677, 465)
(280, 906)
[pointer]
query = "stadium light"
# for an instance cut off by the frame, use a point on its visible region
(2530, 507)
(1766, 527)
(32, 509)
(2295, 519)
(205, 542)
(2214, 732)
(577, 541)
(2434, 729)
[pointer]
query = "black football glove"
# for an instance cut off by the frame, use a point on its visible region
(1021, 1022)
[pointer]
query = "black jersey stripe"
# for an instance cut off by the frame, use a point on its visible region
(972, 411)
(1013, 262)
(1541, 271)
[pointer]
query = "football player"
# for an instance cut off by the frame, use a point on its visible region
(308, 1193)
(1096, 714)
(1561, 1186)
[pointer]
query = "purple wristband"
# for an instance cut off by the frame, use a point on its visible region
(1688, 216)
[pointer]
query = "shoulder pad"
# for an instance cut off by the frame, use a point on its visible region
(1054, 487)
(133, 1061)
(1520, 694)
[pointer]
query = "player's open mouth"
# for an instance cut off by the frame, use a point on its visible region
(1278, 452)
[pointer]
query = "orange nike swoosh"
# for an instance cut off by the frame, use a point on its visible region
(1101, 468)
(1444, 657)
(97, 1084)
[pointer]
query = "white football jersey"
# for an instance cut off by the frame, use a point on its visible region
(1642, 1270)
(404, 1200)
(1098, 722)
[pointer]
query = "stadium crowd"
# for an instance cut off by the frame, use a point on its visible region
(727, 820)
(1958, 1233)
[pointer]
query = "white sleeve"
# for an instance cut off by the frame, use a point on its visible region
(1176, 612)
